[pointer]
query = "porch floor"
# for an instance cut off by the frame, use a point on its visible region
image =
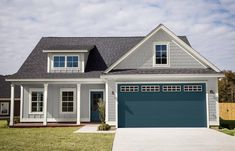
(49, 124)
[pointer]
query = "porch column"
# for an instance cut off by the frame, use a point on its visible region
(78, 103)
(21, 101)
(45, 104)
(12, 104)
(106, 101)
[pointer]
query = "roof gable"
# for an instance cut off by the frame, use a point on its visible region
(177, 40)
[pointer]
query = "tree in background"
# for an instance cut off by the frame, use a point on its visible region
(227, 87)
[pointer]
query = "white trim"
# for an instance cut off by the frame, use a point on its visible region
(65, 51)
(93, 90)
(189, 53)
(163, 82)
(165, 76)
(45, 99)
(106, 101)
(30, 99)
(78, 103)
(167, 53)
(9, 99)
(48, 63)
(217, 102)
(171, 34)
(74, 100)
(53, 120)
(21, 101)
(66, 68)
(89, 80)
(12, 105)
(111, 123)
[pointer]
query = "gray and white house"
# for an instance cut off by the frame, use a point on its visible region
(157, 80)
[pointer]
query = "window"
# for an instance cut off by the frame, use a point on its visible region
(67, 100)
(161, 54)
(66, 61)
(59, 61)
(150, 88)
(193, 88)
(130, 88)
(171, 88)
(4, 108)
(36, 100)
(72, 61)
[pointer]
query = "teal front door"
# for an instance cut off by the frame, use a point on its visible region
(96, 96)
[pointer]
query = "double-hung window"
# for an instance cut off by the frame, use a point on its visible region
(66, 61)
(36, 100)
(67, 100)
(161, 54)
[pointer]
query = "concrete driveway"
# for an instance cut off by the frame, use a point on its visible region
(172, 139)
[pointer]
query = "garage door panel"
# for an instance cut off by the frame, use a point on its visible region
(161, 109)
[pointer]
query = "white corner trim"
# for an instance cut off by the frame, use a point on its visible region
(21, 101)
(181, 42)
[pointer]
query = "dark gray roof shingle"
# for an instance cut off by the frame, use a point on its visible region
(5, 88)
(104, 52)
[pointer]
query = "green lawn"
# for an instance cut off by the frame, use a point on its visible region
(227, 131)
(50, 139)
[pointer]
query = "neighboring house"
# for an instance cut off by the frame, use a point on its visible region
(5, 98)
(154, 81)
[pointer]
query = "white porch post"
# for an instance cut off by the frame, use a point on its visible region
(21, 101)
(106, 101)
(45, 104)
(78, 103)
(12, 104)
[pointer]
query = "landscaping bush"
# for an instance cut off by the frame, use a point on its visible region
(229, 124)
(104, 127)
(3, 124)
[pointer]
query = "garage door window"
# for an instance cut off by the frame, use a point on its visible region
(193, 88)
(150, 88)
(131, 88)
(171, 88)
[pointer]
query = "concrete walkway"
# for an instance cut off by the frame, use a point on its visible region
(92, 128)
(172, 139)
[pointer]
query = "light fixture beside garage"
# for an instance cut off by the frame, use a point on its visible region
(212, 92)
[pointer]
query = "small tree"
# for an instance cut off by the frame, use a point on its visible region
(101, 109)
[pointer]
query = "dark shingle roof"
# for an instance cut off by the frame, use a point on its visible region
(5, 88)
(104, 52)
(70, 47)
(163, 71)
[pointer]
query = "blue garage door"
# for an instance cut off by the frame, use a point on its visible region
(162, 105)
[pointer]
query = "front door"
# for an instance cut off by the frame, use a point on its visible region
(96, 96)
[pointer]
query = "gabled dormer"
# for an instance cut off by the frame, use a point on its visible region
(67, 59)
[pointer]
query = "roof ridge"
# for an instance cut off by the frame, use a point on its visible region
(96, 37)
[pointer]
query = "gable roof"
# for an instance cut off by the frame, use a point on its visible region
(104, 52)
(5, 88)
(177, 39)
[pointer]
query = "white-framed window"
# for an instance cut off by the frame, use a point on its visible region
(129, 88)
(193, 88)
(65, 62)
(171, 88)
(67, 99)
(150, 88)
(161, 54)
(36, 101)
(4, 108)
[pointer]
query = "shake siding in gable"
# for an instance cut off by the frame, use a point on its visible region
(142, 57)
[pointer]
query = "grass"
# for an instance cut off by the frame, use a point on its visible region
(52, 139)
(227, 131)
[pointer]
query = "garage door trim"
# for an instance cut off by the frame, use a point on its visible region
(164, 82)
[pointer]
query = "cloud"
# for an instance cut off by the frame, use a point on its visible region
(209, 24)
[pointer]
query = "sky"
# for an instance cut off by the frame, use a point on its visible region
(208, 24)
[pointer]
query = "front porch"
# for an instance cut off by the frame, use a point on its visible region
(56, 104)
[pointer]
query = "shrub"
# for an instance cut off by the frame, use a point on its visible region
(104, 127)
